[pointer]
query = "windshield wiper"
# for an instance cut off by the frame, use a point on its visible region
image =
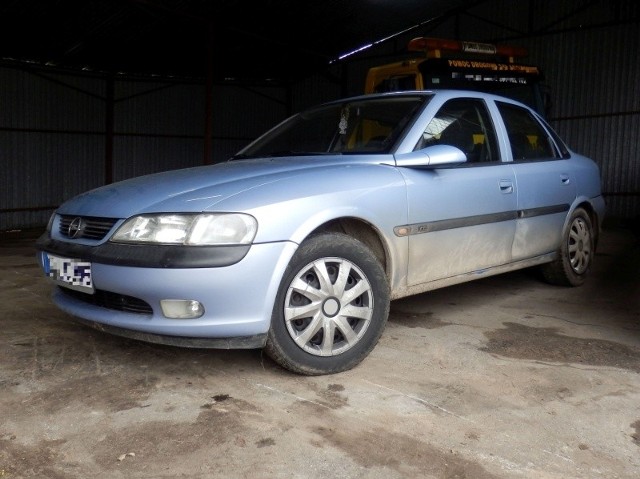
(275, 154)
(240, 157)
(282, 153)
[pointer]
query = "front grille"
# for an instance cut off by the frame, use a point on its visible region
(90, 227)
(109, 300)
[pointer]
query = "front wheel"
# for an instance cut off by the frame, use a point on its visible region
(331, 307)
(575, 254)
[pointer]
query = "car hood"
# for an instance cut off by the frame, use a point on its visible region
(189, 190)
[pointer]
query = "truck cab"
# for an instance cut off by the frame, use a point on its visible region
(453, 64)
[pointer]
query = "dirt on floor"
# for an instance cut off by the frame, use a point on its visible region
(505, 377)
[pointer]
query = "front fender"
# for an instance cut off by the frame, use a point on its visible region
(372, 193)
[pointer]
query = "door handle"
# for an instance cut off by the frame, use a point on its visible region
(564, 177)
(506, 187)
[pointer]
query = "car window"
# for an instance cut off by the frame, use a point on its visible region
(365, 125)
(528, 139)
(464, 123)
(371, 126)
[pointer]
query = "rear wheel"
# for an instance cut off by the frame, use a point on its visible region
(575, 254)
(331, 307)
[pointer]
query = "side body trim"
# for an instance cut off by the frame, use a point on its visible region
(442, 225)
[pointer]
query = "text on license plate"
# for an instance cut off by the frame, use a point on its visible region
(68, 272)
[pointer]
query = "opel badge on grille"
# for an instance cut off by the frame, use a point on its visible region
(76, 228)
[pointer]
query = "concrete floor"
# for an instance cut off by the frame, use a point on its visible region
(505, 377)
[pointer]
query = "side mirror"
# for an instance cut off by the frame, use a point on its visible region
(432, 157)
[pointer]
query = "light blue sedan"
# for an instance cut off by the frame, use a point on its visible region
(298, 243)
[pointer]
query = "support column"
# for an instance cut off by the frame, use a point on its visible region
(208, 110)
(108, 128)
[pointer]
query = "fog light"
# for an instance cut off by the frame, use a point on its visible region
(181, 308)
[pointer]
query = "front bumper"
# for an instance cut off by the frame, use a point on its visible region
(238, 299)
(147, 255)
(243, 342)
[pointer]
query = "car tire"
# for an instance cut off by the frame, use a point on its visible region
(575, 254)
(331, 307)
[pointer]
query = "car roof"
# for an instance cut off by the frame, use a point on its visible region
(446, 93)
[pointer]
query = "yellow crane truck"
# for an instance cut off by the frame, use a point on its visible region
(463, 65)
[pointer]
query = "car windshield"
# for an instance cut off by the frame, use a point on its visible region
(366, 125)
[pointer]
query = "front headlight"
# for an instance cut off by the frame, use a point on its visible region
(197, 230)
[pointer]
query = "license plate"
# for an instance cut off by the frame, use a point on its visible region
(68, 272)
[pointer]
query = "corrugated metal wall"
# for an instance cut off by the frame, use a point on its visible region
(596, 104)
(241, 114)
(52, 125)
(157, 126)
(52, 133)
(315, 90)
(589, 54)
(51, 145)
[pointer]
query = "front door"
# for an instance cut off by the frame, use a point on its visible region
(461, 219)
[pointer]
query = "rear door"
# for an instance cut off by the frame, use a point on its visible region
(545, 183)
